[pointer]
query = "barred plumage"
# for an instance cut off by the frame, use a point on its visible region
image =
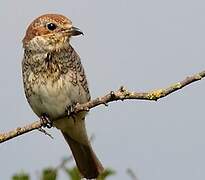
(54, 80)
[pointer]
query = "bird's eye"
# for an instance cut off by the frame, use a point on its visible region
(51, 26)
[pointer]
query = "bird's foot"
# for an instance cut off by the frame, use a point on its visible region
(70, 110)
(45, 121)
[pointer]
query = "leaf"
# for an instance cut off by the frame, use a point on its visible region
(73, 173)
(107, 172)
(21, 176)
(49, 174)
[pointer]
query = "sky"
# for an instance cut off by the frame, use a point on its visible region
(143, 45)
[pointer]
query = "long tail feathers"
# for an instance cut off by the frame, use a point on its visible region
(86, 160)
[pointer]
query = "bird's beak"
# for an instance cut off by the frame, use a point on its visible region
(76, 31)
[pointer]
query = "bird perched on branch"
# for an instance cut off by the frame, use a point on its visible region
(54, 81)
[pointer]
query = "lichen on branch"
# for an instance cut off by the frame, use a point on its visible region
(121, 94)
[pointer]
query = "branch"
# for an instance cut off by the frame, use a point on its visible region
(121, 94)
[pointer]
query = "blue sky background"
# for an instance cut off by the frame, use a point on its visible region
(142, 45)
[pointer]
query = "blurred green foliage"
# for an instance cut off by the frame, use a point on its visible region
(73, 173)
(49, 174)
(21, 176)
(107, 172)
(52, 173)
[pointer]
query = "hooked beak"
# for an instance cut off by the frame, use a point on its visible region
(76, 31)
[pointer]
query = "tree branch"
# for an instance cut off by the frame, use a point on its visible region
(121, 94)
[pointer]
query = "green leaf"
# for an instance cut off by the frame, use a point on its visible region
(107, 172)
(49, 174)
(73, 173)
(21, 176)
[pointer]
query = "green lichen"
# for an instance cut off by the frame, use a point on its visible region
(156, 94)
(198, 76)
(176, 85)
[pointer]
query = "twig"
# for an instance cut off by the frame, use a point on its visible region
(121, 94)
(131, 174)
(64, 161)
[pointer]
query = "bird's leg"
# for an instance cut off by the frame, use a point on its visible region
(46, 122)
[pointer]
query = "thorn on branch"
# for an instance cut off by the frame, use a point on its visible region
(124, 93)
(122, 89)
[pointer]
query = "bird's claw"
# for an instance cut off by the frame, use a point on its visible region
(45, 121)
(70, 110)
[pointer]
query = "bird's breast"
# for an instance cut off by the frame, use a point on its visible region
(53, 81)
(52, 96)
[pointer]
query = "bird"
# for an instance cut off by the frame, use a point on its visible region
(54, 82)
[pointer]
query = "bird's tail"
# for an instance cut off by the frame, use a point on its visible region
(86, 160)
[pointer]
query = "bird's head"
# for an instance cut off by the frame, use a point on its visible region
(49, 32)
